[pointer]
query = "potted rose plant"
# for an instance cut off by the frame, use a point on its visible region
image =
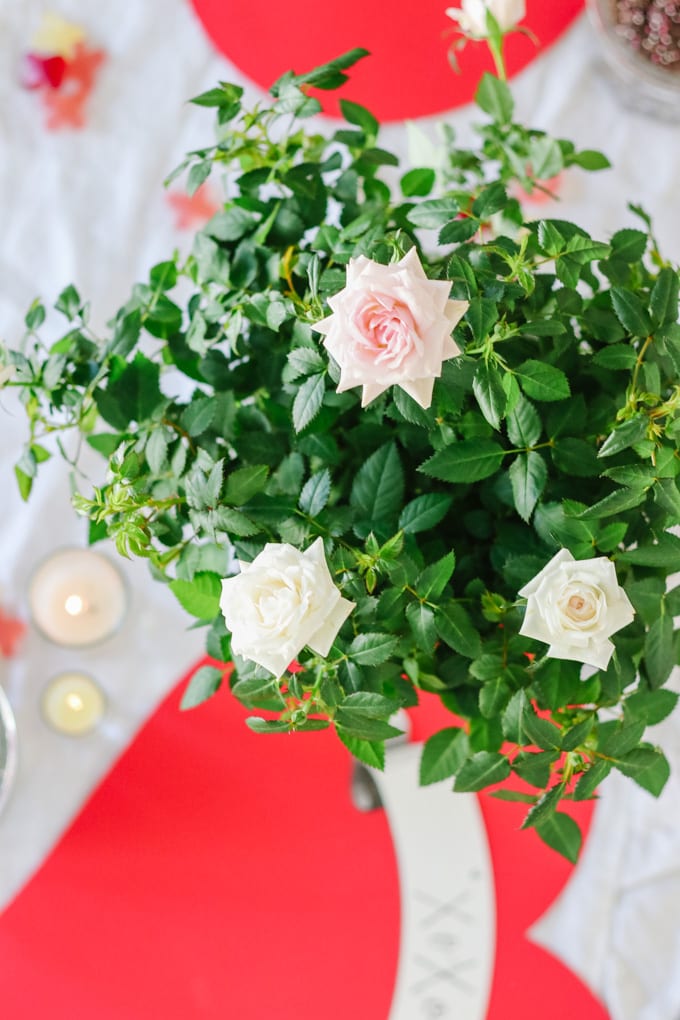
(428, 445)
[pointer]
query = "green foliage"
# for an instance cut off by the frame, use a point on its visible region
(556, 427)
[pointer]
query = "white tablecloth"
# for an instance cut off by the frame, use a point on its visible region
(88, 207)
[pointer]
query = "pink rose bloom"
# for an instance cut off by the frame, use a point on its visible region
(391, 326)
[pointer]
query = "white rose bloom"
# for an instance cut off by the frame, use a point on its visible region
(391, 326)
(471, 16)
(575, 606)
(283, 600)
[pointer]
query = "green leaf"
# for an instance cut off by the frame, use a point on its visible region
(419, 181)
(576, 457)
(424, 512)
(615, 357)
(421, 621)
(625, 435)
(630, 312)
(359, 115)
(370, 752)
(591, 780)
(629, 245)
(550, 239)
(618, 739)
(491, 199)
(545, 158)
(651, 706)
(308, 401)
(648, 767)
(35, 316)
(615, 503)
(494, 97)
(665, 295)
(513, 716)
(664, 553)
(314, 495)
(659, 651)
(543, 808)
(575, 735)
(377, 706)
(647, 594)
(197, 175)
(514, 796)
(541, 732)
(199, 597)
(225, 95)
(199, 415)
(378, 488)
(355, 724)
(561, 833)
(458, 230)
(205, 682)
(590, 159)
(667, 496)
(434, 578)
(487, 666)
(456, 629)
(528, 475)
(69, 302)
(256, 689)
(244, 483)
(443, 754)
(156, 449)
(136, 390)
(582, 250)
(485, 768)
(234, 523)
(542, 381)
(433, 213)
(304, 361)
(465, 461)
(493, 697)
(264, 726)
(534, 767)
(487, 386)
(24, 481)
(372, 649)
(523, 423)
(326, 76)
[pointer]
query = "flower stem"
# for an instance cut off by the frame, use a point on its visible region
(496, 47)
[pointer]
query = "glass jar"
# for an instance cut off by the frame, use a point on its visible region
(640, 42)
(8, 749)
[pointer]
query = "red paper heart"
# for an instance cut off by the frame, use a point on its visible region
(408, 74)
(216, 873)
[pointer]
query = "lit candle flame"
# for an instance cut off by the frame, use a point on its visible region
(74, 702)
(74, 605)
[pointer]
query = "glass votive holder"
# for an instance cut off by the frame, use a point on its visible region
(8, 748)
(77, 597)
(640, 44)
(73, 703)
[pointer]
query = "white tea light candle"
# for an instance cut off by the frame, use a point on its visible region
(73, 703)
(77, 597)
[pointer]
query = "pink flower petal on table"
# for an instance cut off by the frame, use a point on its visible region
(12, 630)
(193, 210)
